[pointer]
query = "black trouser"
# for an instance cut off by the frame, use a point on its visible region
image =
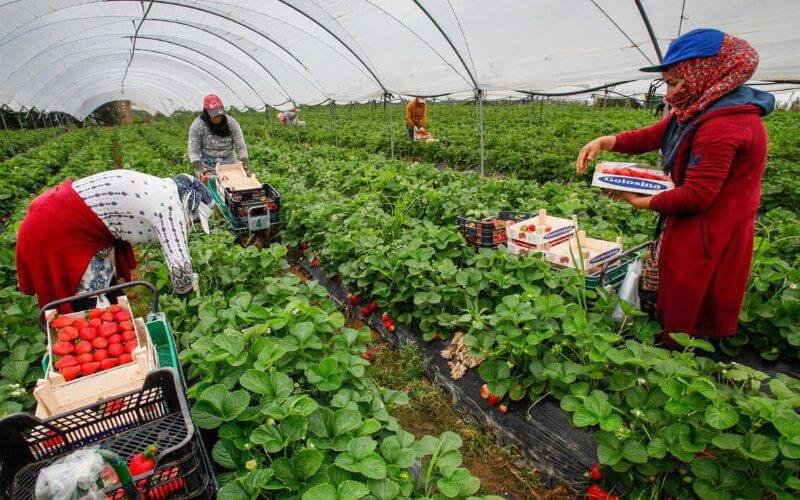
(91, 302)
(410, 130)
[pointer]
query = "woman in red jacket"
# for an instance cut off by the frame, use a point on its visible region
(714, 145)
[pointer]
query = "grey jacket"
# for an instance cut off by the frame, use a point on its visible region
(203, 143)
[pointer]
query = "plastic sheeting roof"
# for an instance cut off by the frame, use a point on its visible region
(73, 55)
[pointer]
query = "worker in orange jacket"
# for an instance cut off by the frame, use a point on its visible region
(416, 116)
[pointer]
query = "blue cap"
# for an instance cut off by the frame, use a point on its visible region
(700, 42)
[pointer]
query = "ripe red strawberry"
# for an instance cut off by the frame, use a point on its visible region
(108, 329)
(144, 461)
(107, 317)
(304, 245)
(484, 391)
(353, 299)
(79, 323)
(502, 409)
(114, 309)
(125, 326)
(85, 358)
(71, 372)
(112, 407)
(109, 363)
(64, 336)
(96, 313)
(71, 331)
(493, 400)
(522, 236)
(315, 263)
(66, 361)
(61, 322)
(595, 492)
(595, 473)
(100, 355)
(131, 295)
(88, 333)
(114, 339)
(95, 322)
(82, 347)
(130, 346)
(127, 336)
(122, 316)
(125, 359)
(437, 336)
(99, 343)
(89, 368)
(62, 348)
(365, 311)
(372, 306)
(366, 356)
(115, 350)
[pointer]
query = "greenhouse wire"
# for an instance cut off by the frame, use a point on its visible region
(133, 48)
(633, 44)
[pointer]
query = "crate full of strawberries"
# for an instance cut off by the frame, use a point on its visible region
(631, 177)
(92, 355)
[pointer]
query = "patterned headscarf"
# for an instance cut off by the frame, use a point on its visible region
(706, 79)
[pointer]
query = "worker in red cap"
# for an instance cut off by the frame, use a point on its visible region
(215, 137)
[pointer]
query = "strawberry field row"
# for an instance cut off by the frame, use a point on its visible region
(386, 229)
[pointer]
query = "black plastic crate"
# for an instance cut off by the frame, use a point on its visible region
(240, 201)
(125, 425)
(483, 233)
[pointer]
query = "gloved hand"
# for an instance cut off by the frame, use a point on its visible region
(199, 168)
(246, 164)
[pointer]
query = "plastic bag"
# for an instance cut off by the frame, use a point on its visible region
(76, 476)
(629, 290)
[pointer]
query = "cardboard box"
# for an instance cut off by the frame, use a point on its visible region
(542, 231)
(588, 254)
(630, 177)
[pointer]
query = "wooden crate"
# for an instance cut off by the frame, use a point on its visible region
(594, 253)
(233, 177)
(55, 395)
(543, 231)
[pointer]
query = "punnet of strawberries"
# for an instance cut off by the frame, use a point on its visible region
(93, 342)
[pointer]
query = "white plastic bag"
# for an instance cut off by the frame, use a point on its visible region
(629, 290)
(74, 477)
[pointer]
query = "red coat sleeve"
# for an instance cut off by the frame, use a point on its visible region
(713, 150)
(641, 140)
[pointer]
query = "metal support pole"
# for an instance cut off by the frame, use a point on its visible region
(479, 99)
(10, 142)
(34, 121)
(334, 135)
(387, 101)
(19, 121)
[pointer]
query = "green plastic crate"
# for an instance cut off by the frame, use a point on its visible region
(164, 344)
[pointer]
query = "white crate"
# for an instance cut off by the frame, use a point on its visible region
(642, 179)
(584, 253)
(542, 230)
(55, 395)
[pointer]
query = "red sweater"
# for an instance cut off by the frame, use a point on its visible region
(707, 244)
(56, 241)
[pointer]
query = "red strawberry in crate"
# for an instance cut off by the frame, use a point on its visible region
(70, 372)
(96, 313)
(82, 347)
(85, 358)
(125, 359)
(108, 329)
(100, 355)
(61, 322)
(116, 350)
(125, 326)
(109, 363)
(62, 348)
(79, 323)
(96, 322)
(127, 336)
(122, 316)
(114, 309)
(90, 368)
(130, 346)
(66, 361)
(107, 317)
(99, 343)
(88, 333)
(144, 461)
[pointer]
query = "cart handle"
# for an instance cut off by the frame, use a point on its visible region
(122, 286)
(629, 251)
